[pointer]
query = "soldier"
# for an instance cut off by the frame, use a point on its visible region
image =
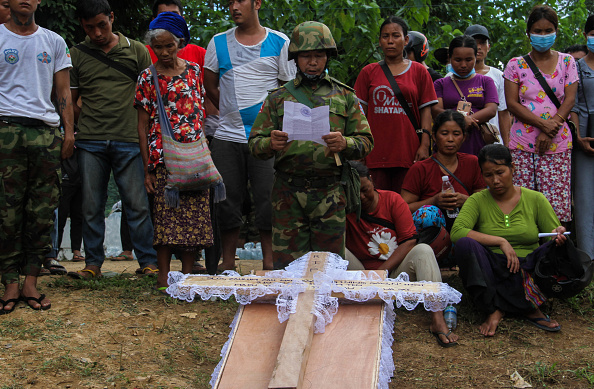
(35, 61)
(308, 201)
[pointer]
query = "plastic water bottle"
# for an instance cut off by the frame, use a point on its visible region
(451, 317)
(447, 187)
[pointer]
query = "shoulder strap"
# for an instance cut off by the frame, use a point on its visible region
(298, 94)
(161, 113)
(541, 80)
(108, 61)
(377, 220)
(399, 95)
(451, 174)
(458, 88)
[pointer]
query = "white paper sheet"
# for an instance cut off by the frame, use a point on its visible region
(304, 123)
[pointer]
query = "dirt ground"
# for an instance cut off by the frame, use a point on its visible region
(120, 333)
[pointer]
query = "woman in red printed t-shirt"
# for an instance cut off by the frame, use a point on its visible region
(396, 143)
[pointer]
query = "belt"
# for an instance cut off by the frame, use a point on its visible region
(26, 122)
(319, 182)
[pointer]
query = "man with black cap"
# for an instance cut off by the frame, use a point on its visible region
(481, 36)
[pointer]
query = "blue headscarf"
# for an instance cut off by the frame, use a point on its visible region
(173, 23)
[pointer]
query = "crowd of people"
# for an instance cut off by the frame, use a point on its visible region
(276, 123)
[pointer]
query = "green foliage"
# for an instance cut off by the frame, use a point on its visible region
(354, 23)
(58, 16)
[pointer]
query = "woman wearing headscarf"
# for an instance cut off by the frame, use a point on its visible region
(188, 227)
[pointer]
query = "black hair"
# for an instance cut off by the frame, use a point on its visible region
(88, 9)
(542, 11)
(157, 3)
(462, 41)
(589, 24)
(361, 169)
(575, 49)
(446, 116)
(395, 20)
(495, 153)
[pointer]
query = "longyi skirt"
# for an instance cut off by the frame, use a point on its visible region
(188, 227)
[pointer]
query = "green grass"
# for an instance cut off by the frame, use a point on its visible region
(540, 374)
(583, 303)
(585, 373)
(19, 329)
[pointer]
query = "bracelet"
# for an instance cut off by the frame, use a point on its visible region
(562, 118)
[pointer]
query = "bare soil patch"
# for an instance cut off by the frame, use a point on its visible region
(121, 333)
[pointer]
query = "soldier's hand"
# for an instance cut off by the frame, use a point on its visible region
(278, 140)
(67, 147)
(335, 141)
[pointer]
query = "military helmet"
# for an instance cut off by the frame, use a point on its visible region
(418, 44)
(309, 36)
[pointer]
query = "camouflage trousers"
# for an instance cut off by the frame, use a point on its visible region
(29, 193)
(306, 219)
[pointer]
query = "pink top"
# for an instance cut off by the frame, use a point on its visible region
(533, 97)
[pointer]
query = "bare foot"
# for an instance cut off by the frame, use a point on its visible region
(538, 314)
(438, 325)
(489, 327)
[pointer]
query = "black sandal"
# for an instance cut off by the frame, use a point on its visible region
(7, 311)
(54, 267)
(38, 301)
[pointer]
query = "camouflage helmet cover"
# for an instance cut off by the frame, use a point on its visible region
(309, 36)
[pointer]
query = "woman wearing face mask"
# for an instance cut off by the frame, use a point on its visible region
(540, 140)
(583, 156)
(478, 90)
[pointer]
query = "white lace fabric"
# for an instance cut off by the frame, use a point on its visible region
(325, 305)
(434, 298)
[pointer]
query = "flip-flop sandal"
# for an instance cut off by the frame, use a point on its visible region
(122, 257)
(536, 322)
(7, 311)
(147, 271)
(54, 267)
(38, 301)
(441, 342)
(78, 258)
(198, 269)
(44, 272)
(81, 274)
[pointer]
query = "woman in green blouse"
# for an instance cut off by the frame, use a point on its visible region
(494, 232)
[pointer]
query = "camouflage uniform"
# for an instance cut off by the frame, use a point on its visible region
(308, 201)
(29, 192)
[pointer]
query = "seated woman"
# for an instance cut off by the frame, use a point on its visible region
(385, 238)
(422, 184)
(495, 231)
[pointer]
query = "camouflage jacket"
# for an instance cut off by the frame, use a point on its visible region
(306, 158)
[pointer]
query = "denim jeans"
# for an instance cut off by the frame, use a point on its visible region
(96, 159)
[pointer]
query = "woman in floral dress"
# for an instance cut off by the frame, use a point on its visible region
(186, 228)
